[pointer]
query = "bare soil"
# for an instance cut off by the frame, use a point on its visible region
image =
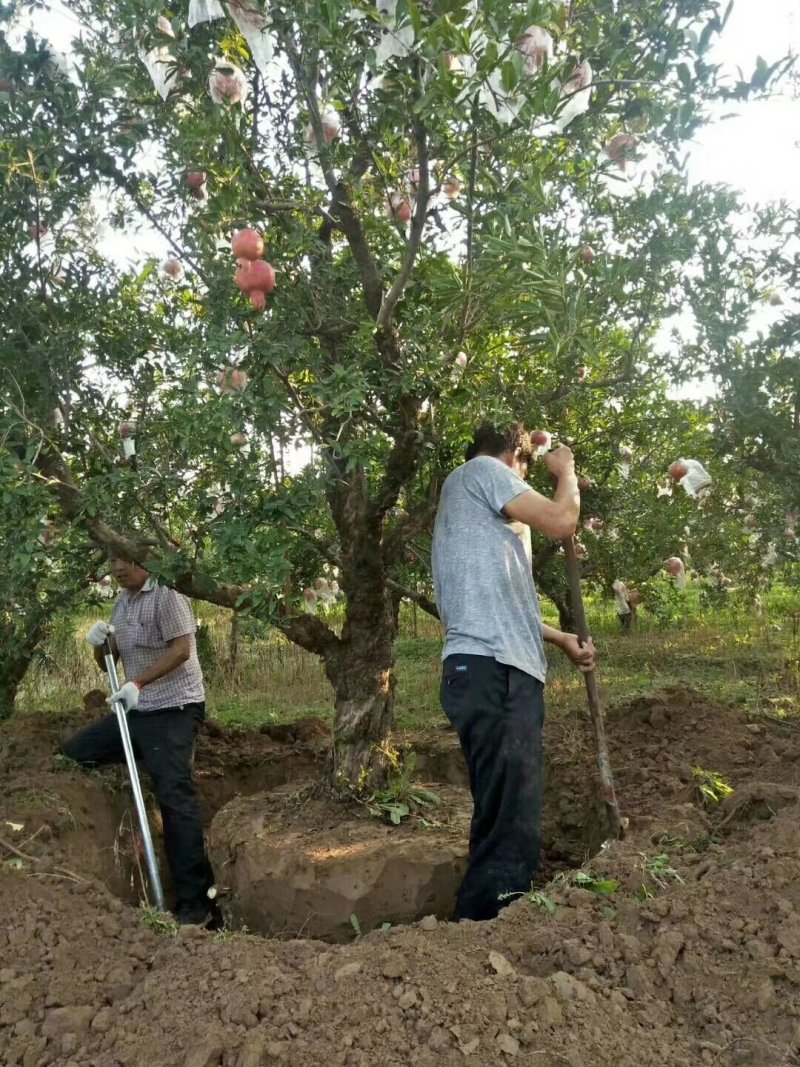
(683, 948)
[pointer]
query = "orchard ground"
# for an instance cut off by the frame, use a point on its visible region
(678, 945)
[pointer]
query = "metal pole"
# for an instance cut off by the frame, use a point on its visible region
(130, 759)
(616, 823)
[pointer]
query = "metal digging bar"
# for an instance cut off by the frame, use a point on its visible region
(616, 823)
(130, 759)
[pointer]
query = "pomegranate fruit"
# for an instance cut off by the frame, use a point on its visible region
(540, 438)
(227, 84)
(331, 123)
(677, 470)
(172, 268)
(620, 149)
(399, 208)
(258, 299)
(257, 275)
(536, 47)
(231, 380)
(247, 244)
(452, 187)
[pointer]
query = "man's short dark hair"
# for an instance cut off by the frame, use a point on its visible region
(490, 440)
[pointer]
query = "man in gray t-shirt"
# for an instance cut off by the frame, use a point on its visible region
(494, 662)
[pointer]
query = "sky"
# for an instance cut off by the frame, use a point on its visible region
(758, 151)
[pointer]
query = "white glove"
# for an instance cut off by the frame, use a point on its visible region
(127, 695)
(98, 633)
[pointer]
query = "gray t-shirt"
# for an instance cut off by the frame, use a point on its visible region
(481, 569)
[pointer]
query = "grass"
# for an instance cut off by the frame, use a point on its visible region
(726, 652)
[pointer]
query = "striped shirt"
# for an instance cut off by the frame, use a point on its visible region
(144, 624)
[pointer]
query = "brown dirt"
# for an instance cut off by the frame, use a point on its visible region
(86, 821)
(691, 960)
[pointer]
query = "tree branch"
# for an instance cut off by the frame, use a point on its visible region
(305, 630)
(417, 598)
(398, 286)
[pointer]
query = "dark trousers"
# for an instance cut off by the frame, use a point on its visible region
(498, 713)
(164, 741)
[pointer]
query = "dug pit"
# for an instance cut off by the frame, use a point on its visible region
(292, 861)
(289, 859)
(679, 945)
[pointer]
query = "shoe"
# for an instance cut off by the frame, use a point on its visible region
(198, 914)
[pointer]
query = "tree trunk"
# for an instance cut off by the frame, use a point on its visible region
(363, 715)
(8, 694)
(233, 642)
(16, 653)
(566, 618)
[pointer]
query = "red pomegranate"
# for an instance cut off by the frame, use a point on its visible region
(257, 275)
(399, 207)
(678, 470)
(247, 244)
(620, 148)
(258, 299)
(172, 268)
(231, 380)
(540, 438)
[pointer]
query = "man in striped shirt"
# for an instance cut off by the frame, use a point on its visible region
(152, 630)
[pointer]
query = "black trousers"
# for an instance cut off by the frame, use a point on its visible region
(498, 713)
(164, 741)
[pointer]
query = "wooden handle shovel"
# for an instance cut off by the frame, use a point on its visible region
(616, 823)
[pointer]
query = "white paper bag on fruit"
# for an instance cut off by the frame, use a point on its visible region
(254, 26)
(675, 568)
(204, 11)
(160, 63)
(696, 478)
